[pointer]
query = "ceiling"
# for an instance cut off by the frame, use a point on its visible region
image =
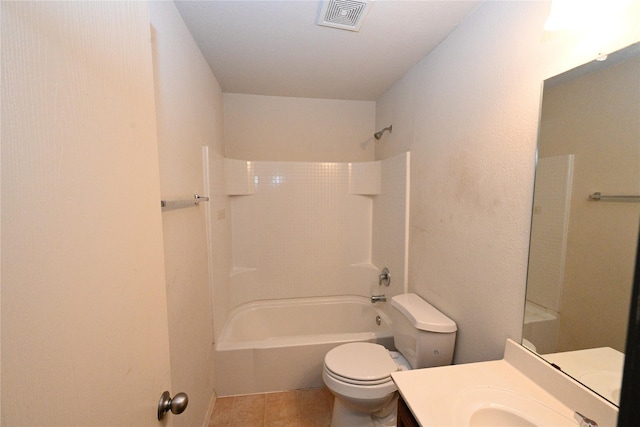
(275, 47)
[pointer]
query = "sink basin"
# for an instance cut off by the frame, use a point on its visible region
(521, 390)
(495, 407)
(498, 417)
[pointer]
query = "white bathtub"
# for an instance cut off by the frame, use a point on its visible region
(280, 344)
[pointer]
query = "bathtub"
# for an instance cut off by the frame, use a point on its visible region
(280, 345)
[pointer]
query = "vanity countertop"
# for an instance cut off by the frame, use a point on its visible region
(600, 369)
(444, 396)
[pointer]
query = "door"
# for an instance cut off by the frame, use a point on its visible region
(84, 321)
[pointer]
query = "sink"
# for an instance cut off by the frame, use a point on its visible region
(520, 390)
(495, 407)
(498, 417)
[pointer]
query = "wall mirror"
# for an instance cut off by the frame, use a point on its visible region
(584, 231)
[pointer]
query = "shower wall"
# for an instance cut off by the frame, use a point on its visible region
(549, 229)
(390, 237)
(279, 129)
(303, 229)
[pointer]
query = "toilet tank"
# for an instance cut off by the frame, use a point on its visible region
(423, 335)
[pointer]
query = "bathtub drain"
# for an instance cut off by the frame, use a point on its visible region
(378, 320)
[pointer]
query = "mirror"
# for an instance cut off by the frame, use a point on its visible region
(583, 234)
(630, 396)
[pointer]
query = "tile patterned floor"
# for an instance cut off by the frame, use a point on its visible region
(295, 408)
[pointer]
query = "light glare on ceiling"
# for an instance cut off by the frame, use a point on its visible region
(583, 14)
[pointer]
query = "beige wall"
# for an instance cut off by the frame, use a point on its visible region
(468, 112)
(298, 129)
(189, 111)
(595, 117)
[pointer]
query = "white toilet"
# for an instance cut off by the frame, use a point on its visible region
(359, 374)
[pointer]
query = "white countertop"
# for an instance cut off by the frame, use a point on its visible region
(436, 396)
(598, 368)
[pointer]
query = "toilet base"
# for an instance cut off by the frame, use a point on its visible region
(344, 416)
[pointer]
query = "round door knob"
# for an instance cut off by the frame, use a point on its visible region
(177, 405)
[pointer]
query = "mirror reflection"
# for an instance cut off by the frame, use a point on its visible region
(582, 252)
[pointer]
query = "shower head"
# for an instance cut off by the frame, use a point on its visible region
(378, 135)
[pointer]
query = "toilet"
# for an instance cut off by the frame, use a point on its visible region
(359, 374)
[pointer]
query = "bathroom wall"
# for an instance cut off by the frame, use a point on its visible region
(595, 117)
(189, 116)
(298, 129)
(468, 112)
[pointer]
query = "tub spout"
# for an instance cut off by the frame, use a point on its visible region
(376, 298)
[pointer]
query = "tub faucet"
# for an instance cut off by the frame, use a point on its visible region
(385, 277)
(376, 298)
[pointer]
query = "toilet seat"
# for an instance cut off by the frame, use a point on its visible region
(357, 382)
(360, 363)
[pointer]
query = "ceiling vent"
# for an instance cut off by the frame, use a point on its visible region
(344, 14)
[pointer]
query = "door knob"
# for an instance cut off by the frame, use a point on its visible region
(177, 405)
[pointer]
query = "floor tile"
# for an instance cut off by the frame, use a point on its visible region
(280, 406)
(320, 419)
(248, 408)
(254, 423)
(295, 408)
(222, 410)
(291, 422)
(313, 401)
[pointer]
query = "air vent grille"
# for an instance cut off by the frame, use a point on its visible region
(344, 14)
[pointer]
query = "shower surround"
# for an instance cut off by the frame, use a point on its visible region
(302, 229)
(311, 232)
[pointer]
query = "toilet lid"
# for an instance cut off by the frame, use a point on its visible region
(361, 361)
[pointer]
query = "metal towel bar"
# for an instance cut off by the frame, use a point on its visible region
(177, 204)
(614, 198)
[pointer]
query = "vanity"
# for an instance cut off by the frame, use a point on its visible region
(580, 282)
(405, 417)
(520, 390)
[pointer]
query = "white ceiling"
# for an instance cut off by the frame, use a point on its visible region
(275, 47)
